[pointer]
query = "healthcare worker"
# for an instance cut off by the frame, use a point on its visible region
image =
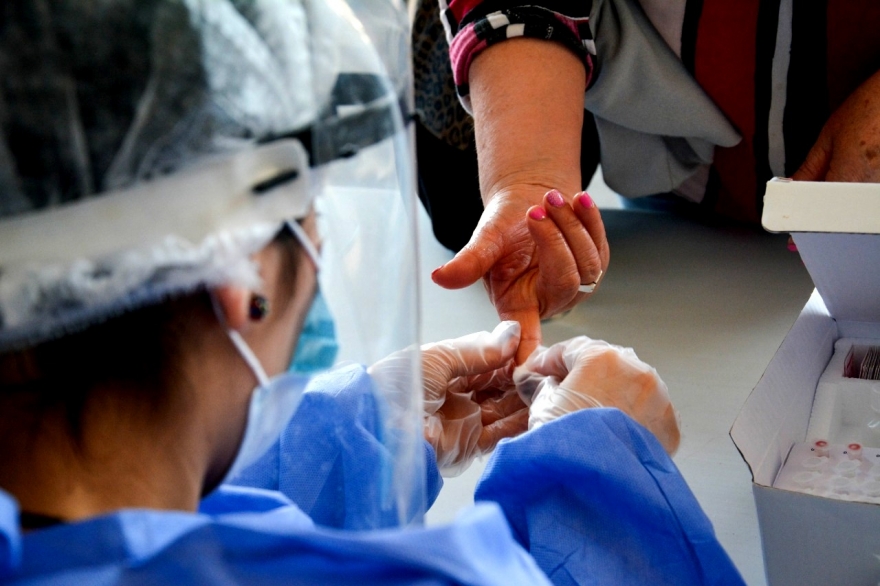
(178, 180)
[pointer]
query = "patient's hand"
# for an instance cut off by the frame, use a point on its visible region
(533, 250)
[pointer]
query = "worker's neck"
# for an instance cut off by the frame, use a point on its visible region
(120, 458)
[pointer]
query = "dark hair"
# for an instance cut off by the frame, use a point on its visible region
(139, 349)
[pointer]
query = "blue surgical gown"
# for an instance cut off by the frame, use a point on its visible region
(590, 498)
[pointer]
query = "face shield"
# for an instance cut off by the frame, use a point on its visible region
(236, 119)
(386, 23)
(367, 215)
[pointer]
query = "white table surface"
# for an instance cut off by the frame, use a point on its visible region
(707, 306)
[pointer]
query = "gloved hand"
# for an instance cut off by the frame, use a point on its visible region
(581, 373)
(470, 400)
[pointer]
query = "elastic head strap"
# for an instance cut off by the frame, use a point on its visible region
(249, 357)
(306, 243)
(243, 349)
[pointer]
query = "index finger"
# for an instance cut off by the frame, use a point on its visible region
(530, 323)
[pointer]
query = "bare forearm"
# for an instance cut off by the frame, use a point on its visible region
(527, 99)
(536, 243)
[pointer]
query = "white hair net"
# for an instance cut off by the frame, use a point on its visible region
(108, 102)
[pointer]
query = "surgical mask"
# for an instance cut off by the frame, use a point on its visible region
(274, 401)
(317, 346)
(273, 404)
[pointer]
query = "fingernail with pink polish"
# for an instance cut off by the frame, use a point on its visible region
(792, 247)
(537, 213)
(585, 200)
(555, 199)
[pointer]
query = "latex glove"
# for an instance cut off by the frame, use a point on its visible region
(470, 401)
(848, 148)
(533, 258)
(582, 373)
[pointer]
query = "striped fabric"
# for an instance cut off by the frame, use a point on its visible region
(471, 28)
(776, 68)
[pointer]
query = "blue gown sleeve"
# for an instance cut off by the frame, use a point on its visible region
(595, 499)
(331, 460)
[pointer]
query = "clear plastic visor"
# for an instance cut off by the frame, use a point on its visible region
(366, 211)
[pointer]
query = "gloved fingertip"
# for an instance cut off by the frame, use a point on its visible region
(507, 334)
(507, 328)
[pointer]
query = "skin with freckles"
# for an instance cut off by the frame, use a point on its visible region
(848, 148)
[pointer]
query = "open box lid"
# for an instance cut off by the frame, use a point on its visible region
(834, 226)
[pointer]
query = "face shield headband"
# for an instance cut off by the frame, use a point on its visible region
(233, 204)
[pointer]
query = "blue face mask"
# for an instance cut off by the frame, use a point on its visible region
(317, 347)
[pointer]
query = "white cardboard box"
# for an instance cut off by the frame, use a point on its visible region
(811, 539)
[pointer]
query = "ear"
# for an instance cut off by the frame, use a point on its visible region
(233, 302)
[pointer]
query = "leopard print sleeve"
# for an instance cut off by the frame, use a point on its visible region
(471, 26)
